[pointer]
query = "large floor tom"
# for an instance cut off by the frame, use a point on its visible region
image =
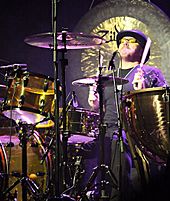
(146, 117)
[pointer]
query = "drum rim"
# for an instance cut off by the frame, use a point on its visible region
(144, 90)
(41, 75)
(80, 109)
(34, 111)
(26, 109)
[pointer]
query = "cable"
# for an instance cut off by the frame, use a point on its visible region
(91, 5)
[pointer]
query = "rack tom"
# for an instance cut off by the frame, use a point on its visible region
(30, 99)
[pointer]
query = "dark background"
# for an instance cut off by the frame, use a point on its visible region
(19, 19)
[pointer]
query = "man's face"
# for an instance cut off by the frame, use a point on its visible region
(130, 49)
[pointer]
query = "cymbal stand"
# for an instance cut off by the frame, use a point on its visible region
(26, 182)
(57, 157)
(119, 123)
(102, 168)
(57, 173)
(65, 131)
(53, 138)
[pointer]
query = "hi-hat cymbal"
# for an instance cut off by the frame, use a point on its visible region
(73, 40)
(92, 80)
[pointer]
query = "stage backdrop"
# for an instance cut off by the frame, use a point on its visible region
(113, 16)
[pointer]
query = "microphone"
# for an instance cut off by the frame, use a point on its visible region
(112, 60)
(74, 99)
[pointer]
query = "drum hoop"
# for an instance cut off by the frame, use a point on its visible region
(144, 90)
(84, 110)
(23, 108)
(39, 75)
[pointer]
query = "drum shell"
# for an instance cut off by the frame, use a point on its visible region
(34, 96)
(82, 121)
(145, 115)
(82, 125)
(40, 174)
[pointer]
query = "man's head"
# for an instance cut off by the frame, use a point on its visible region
(132, 42)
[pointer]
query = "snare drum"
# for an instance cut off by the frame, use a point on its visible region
(39, 174)
(82, 125)
(146, 118)
(30, 98)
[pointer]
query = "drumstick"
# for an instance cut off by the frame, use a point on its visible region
(145, 52)
(144, 55)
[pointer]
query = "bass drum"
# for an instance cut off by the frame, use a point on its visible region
(39, 174)
(146, 118)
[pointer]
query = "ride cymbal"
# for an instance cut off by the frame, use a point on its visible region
(73, 40)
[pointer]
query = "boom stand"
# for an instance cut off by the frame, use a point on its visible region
(65, 132)
(102, 168)
(57, 159)
(119, 123)
(59, 179)
(25, 181)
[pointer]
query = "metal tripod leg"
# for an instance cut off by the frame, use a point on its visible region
(25, 181)
(104, 170)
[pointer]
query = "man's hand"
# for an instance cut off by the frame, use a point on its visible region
(93, 98)
(138, 81)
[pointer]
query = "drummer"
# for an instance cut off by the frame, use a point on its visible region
(134, 50)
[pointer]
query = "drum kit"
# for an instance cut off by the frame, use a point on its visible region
(27, 106)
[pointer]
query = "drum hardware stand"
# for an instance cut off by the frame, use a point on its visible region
(58, 183)
(73, 192)
(105, 170)
(25, 181)
(65, 131)
(69, 105)
(57, 157)
(119, 122)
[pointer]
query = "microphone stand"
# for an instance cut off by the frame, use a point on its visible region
(102, 168)
(119, 123)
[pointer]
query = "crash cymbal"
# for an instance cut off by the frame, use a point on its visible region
(92, 80)
(73, 40)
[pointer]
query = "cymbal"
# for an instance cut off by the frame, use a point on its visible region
(92, 80)
(73, 40)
